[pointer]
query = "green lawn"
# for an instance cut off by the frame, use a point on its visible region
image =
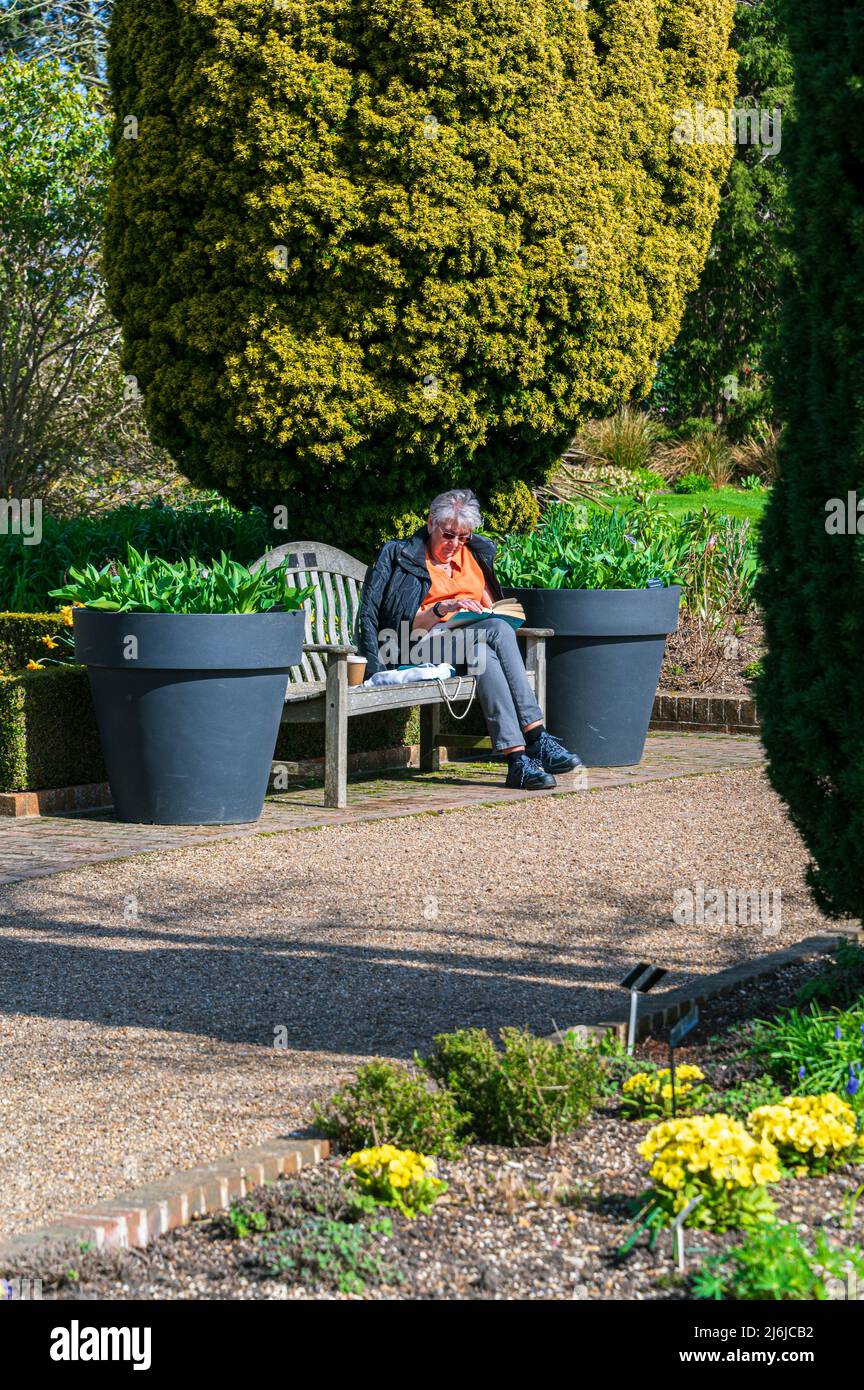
(728, 501)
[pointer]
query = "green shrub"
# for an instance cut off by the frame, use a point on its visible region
(402, 242)
(713, 558)
(734, 310)
(387, 1104)
(693, 482)
(48, 734)
(774, 1263)
(28, 573)
(511, 510)
(649, 480)
(530, 1093)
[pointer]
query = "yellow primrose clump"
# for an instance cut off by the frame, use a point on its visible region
(397, 1177)
(711, 1156)
(646, 1094)
(812, 1133)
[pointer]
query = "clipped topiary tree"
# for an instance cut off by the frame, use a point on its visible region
(811, 695)
(363, 250)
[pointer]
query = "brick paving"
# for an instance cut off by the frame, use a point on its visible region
(34, 847)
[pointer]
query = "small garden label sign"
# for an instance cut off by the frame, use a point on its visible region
(677, 1035)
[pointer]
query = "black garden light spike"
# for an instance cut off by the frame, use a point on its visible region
(642, 978)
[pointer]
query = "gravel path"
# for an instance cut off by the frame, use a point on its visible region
(161, 1011)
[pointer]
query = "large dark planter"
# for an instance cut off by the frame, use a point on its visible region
(603, 665)
(188, 708)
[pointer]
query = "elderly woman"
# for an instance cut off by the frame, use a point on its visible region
(416, 585)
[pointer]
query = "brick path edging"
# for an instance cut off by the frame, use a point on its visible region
(668, 1008)
(135, 1218)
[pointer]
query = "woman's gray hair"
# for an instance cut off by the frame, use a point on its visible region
(459, 504)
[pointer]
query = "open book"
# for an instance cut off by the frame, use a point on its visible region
(510, 609)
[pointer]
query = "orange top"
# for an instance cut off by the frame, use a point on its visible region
(466, 581)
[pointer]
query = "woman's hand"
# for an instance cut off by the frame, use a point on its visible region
(458, 605)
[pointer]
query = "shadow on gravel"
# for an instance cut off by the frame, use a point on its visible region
(317, 979)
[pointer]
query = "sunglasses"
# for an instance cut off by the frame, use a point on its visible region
(454, 536)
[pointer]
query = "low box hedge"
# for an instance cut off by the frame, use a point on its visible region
(21, 637)
(48, 734)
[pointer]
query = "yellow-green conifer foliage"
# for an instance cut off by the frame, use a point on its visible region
(362, 250)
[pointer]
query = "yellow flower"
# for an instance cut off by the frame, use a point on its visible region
(66, 615)
(35, 666)
(48, 642)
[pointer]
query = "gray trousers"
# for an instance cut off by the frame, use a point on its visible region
(503, 688)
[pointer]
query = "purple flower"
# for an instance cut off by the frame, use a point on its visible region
(838, 1032)
(853, 1085)
(802, 1072)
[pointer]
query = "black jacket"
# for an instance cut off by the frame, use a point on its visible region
(397, 584)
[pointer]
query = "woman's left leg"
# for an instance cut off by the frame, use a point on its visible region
(501, 638)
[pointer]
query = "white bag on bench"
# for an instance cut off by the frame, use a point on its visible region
(409, 675)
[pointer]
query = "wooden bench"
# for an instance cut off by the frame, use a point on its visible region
(318, 689)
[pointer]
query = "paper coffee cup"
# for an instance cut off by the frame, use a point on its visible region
(356, 670)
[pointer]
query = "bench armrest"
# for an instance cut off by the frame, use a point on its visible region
(535, 632)
(334, 648)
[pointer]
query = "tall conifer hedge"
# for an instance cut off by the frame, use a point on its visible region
(365, 249)
(812, 693)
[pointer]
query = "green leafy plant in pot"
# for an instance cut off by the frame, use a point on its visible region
(607, 584)
(188, 665)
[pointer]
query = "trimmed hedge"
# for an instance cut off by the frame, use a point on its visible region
(21, 638)
(811, 694)
(362, 252)
(48, 735)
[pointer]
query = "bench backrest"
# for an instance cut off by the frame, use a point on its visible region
(331, 612)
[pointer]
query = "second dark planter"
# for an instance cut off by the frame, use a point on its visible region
(188, 708)
(603, 665)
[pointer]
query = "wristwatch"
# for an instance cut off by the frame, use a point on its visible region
(436, 610)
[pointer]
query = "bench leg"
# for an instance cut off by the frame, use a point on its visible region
(430, 725)
(535, 663)
(336, 732)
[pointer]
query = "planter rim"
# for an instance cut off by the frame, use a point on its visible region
(540, 589)
(145, 613)
(616, 614)
(148, 642)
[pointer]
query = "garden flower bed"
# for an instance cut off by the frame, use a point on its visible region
(549, 1220)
